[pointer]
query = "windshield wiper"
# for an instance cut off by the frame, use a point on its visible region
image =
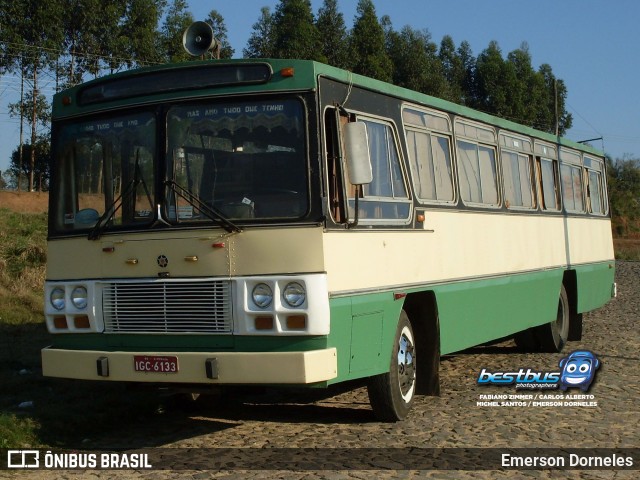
(98, 229)
(212, 213)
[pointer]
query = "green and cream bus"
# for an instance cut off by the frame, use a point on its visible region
(287, 223)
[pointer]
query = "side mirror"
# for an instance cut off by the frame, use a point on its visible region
(358, 160)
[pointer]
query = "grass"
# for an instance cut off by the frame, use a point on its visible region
(627, 249)
(37, 411)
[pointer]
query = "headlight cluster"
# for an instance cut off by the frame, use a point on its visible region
(78, 297)
(293, 294)
(57, 298)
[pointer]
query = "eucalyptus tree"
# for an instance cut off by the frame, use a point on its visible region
(34, 35)
(416, 65)
(558, 120)
(260, 43)
(295, 34)
(220, 33)
(368, 44)
(334, 37)
(177, 19)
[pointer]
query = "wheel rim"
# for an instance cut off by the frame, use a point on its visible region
(406, 365)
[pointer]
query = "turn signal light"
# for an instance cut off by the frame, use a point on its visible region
(264, 323)
(60, 323)
(287, 72)
(296, 322)
(81, 322)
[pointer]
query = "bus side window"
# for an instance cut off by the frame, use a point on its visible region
(548, 178)
(336, 191)
(518, 188)
(595, 198)
(478, 173)
(571, 187)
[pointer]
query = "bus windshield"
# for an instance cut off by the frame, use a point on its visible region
(224, 163)
(105, 168)
(244, 160)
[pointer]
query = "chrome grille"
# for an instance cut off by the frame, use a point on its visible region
(167, 306)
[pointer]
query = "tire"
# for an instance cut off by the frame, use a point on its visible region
(391, 394)
(553, 336)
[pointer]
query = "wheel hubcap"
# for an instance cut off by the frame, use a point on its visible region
(406, 365)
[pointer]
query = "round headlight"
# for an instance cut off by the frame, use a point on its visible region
(294, 294)
(57, 298)
(262, 295)
(79, 297)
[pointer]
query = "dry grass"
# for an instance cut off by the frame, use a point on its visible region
(24, 202)
(627, 248)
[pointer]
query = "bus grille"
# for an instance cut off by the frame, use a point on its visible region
(167, 307)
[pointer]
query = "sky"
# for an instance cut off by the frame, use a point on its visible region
(592, 45)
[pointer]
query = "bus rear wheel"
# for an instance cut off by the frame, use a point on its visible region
(553, 336)
(391, 394)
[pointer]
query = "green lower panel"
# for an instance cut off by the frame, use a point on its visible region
(595, 285)
(362, 330)
(479, 311)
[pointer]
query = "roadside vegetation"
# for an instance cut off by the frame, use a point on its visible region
(36, 411)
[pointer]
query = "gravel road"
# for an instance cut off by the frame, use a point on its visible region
(344, 422)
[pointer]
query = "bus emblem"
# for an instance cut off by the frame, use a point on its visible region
(163, 261)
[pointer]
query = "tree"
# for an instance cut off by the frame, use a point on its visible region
(415, 64)
(493, 82)
(260, 43)
(334, 38)
(624, 192)
(42, 159)
(458, 68)
(295, 34)
(137, 40)
(555, 102)
(177, 20)
(368, 44)
(220, 33)
(92, 38)
(37, 29)
(39, 111)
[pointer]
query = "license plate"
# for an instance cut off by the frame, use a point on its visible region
(155, 364)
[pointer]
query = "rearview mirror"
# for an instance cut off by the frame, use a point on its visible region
(358, 160)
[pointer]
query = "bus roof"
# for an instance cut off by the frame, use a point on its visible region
(68, 103)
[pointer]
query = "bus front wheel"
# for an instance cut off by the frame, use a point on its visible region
(391, 394)
(553, 336)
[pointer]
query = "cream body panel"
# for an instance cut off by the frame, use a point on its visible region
(233, 367)
(589, 240)
(255, 251)
(278, 250)
(461, 245)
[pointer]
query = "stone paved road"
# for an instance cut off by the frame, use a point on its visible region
(452, 420)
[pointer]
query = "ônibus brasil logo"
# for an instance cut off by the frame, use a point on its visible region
(578, 371)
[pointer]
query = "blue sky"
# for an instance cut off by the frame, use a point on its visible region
(591, 44)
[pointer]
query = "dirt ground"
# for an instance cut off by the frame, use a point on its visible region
(24, 202)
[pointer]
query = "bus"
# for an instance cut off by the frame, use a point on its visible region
(285, 223)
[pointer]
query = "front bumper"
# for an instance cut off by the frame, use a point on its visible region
(247, 368)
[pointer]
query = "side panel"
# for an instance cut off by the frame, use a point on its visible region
(475, 312)
(461, 246)
(595, 283)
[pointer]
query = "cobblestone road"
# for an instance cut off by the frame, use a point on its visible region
(345, 421)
